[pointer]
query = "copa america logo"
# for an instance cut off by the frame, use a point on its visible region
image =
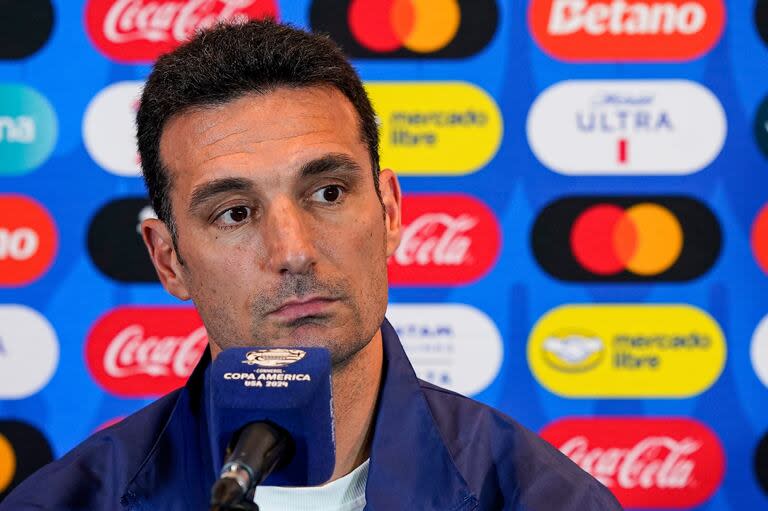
(275, 357)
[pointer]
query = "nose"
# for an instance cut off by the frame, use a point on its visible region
(288, 238)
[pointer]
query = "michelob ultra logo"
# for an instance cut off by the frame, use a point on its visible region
(28, 129)
(668, 462)
(403, 29)
(626, 30)
(626, 127)
(620, 239)
(626, 351)
(448, 128)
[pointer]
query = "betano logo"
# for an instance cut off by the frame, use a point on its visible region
(109, 129)
(626, 127)
(626, 31)
(407, 28)
(626, 351)
(28, 240)
(28, 129)
(428, 128)
(452, 345)
(664, 238)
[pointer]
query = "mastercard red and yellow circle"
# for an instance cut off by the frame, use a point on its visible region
(644, 239)
(7, 463)
(422, 26)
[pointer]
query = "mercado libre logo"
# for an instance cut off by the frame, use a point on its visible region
(28, 129)
(626, 127)
(141, 30)
(626, 31)
(23, 450)
(407, 29)
(447, 240)
(145, 351)
(115, 243)
(626, 351)
(435, 128)
(24, 27)
(452, 345)
(28, 240)
(669, 462)
(625, 239)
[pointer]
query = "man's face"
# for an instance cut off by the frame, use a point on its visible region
(283, 239)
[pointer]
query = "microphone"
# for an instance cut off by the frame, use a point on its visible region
(270, 421)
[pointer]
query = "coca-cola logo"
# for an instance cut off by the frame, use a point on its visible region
(446, 240)
(649, 463)
(142, 30)
(137, 352)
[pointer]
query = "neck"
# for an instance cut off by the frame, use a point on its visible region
(355, 391)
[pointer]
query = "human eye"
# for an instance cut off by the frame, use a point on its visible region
(330, 194)
(234, 216)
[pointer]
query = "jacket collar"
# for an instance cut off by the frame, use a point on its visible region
(410, 468)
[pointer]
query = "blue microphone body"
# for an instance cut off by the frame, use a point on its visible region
(288, 387)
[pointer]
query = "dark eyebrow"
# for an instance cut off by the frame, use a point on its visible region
(333, 162)
(206, 191)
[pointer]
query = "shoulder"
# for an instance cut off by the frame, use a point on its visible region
(503, 461)
(94, 474)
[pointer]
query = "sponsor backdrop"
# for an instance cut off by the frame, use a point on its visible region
(586, 230)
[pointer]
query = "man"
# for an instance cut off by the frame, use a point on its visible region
(260, 152)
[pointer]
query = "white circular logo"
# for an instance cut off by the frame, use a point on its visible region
(451, 345)
(759, 350)
(109, 128)
(29, 351)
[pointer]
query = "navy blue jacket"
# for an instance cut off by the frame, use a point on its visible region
(432, 450)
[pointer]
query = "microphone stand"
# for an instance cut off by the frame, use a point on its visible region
(259, 448)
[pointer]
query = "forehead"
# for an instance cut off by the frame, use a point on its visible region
(268, 133)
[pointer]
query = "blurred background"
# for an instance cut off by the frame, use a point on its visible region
(585, 243)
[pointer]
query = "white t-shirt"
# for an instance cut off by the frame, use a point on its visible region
(344, 494)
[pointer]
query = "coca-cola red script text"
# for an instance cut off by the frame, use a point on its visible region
(142, 30)
(447, 239)
(142, 352)
(646, 463)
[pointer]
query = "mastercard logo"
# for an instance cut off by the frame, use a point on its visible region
(407, 28)
(626, 239)
(23, 450)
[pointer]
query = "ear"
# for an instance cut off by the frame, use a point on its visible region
(390, 196)
(158, 240)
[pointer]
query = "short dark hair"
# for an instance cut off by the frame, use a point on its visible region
(228, 61)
